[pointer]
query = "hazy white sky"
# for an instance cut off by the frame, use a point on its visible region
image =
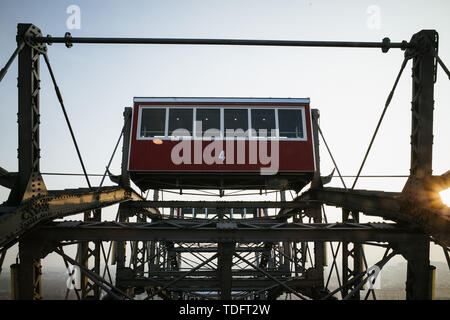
(349, 86)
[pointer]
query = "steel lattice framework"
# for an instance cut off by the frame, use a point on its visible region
(226, 255)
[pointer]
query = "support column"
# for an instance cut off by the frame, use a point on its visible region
(419, 272)
(90, 290)
(351, 257)
(415, 197)
(125, 175)
(29, 181)
(123, 273)
(225, 263)
(422, 104)
(29, 272)
(315, 212)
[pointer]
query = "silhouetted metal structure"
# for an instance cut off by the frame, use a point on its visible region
(235, 253)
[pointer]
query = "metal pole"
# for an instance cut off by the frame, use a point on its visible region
(385, 45)
(225, 252)
(28, 155)
(29, 276)
(351, 258)
(316, 209)
(28, 119)
(125, 175)
(422, 106)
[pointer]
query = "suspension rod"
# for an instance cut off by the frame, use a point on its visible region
(68, 40)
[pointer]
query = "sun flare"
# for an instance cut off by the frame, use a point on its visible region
(445, 196)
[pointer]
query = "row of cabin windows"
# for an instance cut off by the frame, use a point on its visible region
(213, 211)
(153, 121)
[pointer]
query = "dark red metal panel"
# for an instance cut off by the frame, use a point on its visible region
(145, 155)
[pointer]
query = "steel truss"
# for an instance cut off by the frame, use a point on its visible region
(223, 256)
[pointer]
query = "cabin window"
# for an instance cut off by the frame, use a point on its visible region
(210, 119)
(290, 123)
(180, 122)
(153, 122)
(239, 212)
(185, 211)
(236, 120)
(263, 121)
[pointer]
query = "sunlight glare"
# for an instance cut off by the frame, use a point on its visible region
(445, 196)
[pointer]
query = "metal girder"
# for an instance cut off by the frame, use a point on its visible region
(18, 216)
(418, 205)
(214, 249)
(422, 104)
(185, 231)
(28, 182)
(214, 284)
(119, 253)
(418, 199)
(385, 44)
(219, 204)
(379, 203)
(90, 290)
(225, 251)
(7, 179)
(139, 251)
(15, 221)
(211, 273)
(99, 281)
(352, 255)
(29, 272)
(124, 179)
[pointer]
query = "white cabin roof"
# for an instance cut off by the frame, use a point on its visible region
(220, 100)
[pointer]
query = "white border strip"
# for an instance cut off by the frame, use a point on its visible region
(222, 100)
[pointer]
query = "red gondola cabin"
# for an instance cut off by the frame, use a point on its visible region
(221, 143)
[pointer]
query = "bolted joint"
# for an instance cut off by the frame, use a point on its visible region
(386, 44)
(28, 36)
(67, 40)
(422, 43)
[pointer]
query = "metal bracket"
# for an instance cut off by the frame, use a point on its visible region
(421, 44)
(36, 187)
(67, 37)
(28, 37)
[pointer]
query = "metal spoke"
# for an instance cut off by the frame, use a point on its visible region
(271, 277)
(109, 288)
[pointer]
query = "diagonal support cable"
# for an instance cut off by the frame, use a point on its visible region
(270, 276)
(2, 258)
(329, 152)
(447, 256)
(11, 59)
(181, 277)
(380, 264)
(441, 63)
(112, 157)
(388, 102)
(60, 99)
(108, 287)
(73, 281)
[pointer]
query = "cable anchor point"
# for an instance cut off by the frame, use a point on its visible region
(386, 45)
(67, 40)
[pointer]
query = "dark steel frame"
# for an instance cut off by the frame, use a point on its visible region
(158, 237)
